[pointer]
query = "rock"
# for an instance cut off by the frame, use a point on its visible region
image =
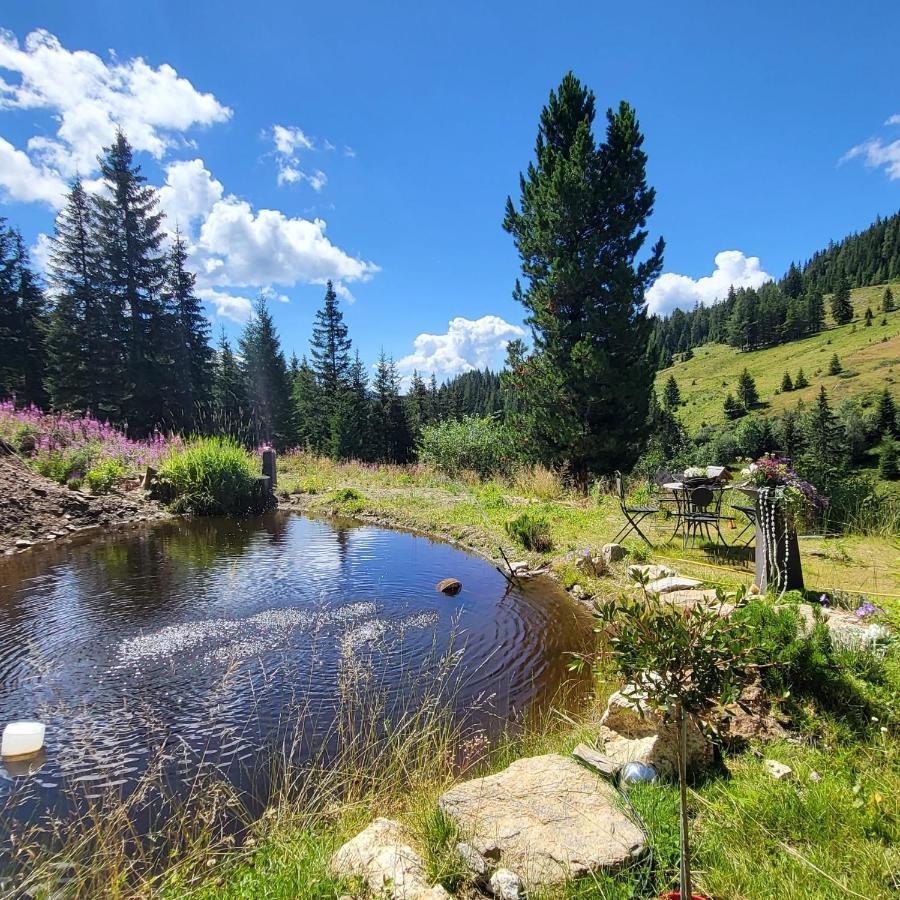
(632, 732)
(651, 572)
(577, 591)
(612, 553)
(506, 885)
(381, 856)
(601, 764)
(449, 586)
(777, 770)
(815, 777)
(546, 818)
(21, 543)
(475, 863)
(751, 719)
(437, 892)
(672, 583)
(594, 566)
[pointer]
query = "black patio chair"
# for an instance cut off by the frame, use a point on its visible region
(702, 509)
(634, 514)
(661, 478)
(750, 514)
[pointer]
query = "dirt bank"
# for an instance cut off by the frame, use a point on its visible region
(35, 510)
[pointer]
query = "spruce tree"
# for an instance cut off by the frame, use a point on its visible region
(137, 329)
(815, 311)
(887, 301)
(391, 441)
(841, 307)
(801, 381)
(308, 417)
(330, 347)
(733, 409)
(787, 385)
(349, 426)
(868, 317)
(747, 394)
(229, 396)
(671, 394)
(190, 382)
(266, 380)
(822, 461)
(78, 378)
(888, 467)
(886, 419)
(834, 365)
(579, 230)
(417, 404)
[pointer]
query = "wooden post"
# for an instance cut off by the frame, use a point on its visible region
(269, 467)
(787, 555)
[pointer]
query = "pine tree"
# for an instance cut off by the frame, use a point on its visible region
(868, 317)
(886, 419)
(129, 238)
(841, 307)
(78, 378)
(815, 311)
(888, 467)
(801, 381)
(330, 347)
(579, 229)
(266, 379)
(821, 462)
(747, 394)
(834, 365)
(416, 403)
(791, 434)
(308, 416)
(391, 441)
(733, 409)
(229, 397)
(191, 379)
(349, 427)
(671, 394)
(786, 384)
(887, 301)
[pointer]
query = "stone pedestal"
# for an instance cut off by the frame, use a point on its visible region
(787, 575)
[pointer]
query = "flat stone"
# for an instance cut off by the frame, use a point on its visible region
(22, 543)
(381, 856)
(672, 583)
(438, 892)
(613, 552)
(778, 770)
(631, 731)
(650, 572)
(601, 764)
(506, 885)
(546, 818)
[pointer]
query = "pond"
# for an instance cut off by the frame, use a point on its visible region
(198, 641)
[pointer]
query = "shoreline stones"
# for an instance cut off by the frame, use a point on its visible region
(546, 819)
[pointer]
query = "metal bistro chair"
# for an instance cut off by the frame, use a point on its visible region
(634, 514)
(702, 508)
(750, 513)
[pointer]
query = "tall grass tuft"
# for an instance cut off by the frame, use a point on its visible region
(211, 476)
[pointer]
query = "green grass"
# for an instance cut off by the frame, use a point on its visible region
(870, 364)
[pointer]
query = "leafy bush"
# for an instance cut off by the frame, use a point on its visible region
(531, 531)
(481, 445)
(347, 500)
(211, 476)
(102, 476)
(67, 465)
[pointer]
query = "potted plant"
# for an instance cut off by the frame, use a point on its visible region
(784, 501)
(683, 663)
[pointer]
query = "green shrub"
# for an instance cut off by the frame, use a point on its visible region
(348, 501)
(102, 476)
(475, 444)
(210, 476)
(64, 466)
(531, 531)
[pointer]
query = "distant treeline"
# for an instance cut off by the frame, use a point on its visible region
(791, 308)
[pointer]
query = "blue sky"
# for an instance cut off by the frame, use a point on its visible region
(404, 126)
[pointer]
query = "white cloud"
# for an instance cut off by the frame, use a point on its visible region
(876, 154)
(189, 194)
(288, 140)
(732, 268)
(893, 120)
(21, 179)
(238, 309)
(349, 151)
(243, 248)
(468, 344)
(89, 99)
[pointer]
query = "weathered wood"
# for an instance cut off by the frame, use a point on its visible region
(269, 467)
(596, 761)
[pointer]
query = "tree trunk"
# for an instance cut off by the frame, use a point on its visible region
(685, 881)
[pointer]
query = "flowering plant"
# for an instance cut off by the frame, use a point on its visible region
(694, 472)
(775, 477)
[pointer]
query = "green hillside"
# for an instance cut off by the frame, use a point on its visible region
(870, 358)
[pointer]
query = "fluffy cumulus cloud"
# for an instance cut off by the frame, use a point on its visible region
(229, 306)
(879, 153)
(21, 179)
(468, 344)
(289, 140)
(89, 99)
(733, 268)
(189, 193)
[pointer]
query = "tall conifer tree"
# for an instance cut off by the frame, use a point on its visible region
(579, 228)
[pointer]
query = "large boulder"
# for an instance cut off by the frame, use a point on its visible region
(545, 818)
(630, 731)
(380, 855)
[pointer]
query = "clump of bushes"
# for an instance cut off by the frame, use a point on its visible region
(102, 476)
(347, 500)
(531, 531)
(211, 476)
(480, 445)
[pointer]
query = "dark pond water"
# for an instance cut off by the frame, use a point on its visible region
(202, 640)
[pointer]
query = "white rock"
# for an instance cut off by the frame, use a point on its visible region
(381, 856)
(650, 572)
(815, 777)
(506, 885)
(613, 552)
(672, 583)
(547, 818)
(475, 863)
(438, 892)
(778, 770)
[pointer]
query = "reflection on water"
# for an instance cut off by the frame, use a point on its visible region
(192, 640)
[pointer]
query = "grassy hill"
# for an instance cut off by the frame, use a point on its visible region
(870, 358)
